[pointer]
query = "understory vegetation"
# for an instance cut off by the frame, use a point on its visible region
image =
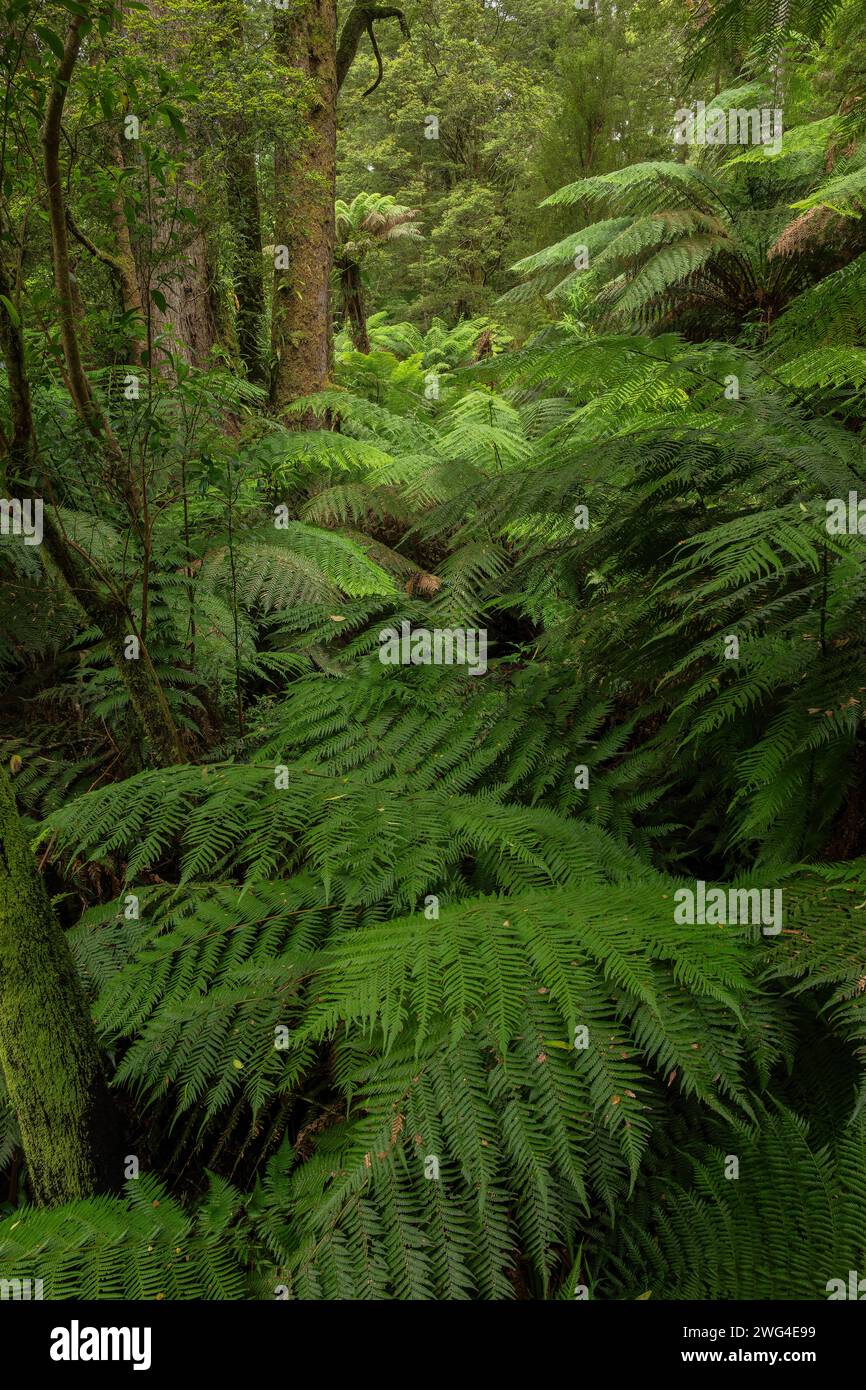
(327, 977)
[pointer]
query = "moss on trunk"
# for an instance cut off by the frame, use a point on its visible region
(48, 1049)
(306, 40)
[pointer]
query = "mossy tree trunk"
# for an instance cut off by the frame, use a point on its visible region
(301, 337)
(306, 41)
(70, 1131)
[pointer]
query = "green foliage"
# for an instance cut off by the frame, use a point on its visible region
(708, 245)
(145, 1247)
(386, 972)
(714, 1237)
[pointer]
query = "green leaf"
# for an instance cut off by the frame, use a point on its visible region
(11, 310)
(54, 41)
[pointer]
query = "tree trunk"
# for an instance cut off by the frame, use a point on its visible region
(104, 610)
(306, 40)
(79, 386)
(355, 306)
(173, 253)
(245, 221)
(121, 265)
(50, 1057)
(127, 272)
(179, 269)
(242, 196)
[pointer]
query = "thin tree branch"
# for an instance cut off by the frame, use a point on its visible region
(360, 18)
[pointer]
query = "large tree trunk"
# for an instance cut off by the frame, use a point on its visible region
(70, 1131)
(301, 337)
(306, 40)
(174, 255)
(179, 268)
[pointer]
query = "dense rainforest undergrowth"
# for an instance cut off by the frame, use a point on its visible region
(432, 658)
